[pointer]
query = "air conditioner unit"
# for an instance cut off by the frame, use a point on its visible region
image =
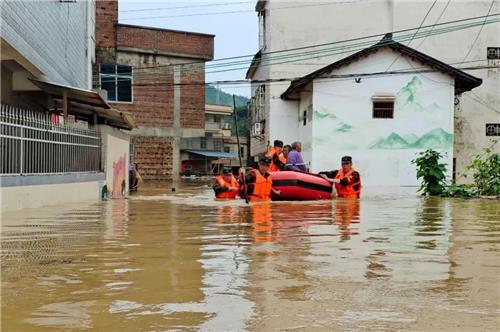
(257, 129)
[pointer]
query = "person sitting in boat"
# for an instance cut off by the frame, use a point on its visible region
(294, 160)
(278, 161)
(347, 180)
(259, 184)
(225, 185)
(286, 150)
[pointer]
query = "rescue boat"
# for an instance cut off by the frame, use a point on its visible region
(300, 186)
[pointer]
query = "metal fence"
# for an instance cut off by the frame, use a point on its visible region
(35, 143)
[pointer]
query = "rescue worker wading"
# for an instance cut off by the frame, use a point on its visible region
(226, 186)
(259, 183)
(278, 161)
(348, 181)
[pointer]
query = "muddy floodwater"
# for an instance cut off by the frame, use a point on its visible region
(163, 261)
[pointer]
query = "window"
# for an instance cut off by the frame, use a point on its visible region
(203, 143)
(262, 29)
(242, 151)
(309, 113)
(117, 81)
(304, 117)
(227, 149)
(383, 106)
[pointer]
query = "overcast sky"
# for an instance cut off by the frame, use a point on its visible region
(235, 33)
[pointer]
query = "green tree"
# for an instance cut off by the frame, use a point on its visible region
(431, 171)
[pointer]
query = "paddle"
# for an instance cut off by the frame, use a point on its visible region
(239, 149)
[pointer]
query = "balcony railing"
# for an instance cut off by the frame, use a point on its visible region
(216, 126)
(201, 143)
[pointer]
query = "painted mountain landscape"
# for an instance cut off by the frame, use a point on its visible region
(434, 139)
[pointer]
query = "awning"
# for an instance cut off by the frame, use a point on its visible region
(87, 104)
(214, 154)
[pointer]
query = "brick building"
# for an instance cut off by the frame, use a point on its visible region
(158, 75)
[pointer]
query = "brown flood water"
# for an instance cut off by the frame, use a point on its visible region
(160, 261)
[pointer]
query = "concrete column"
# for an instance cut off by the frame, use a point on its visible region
(176, 158)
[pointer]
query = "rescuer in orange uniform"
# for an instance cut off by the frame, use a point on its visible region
(348, 181)
(225, 185)
(278, 161)
(259, 184)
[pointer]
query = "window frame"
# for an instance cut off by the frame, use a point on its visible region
(116, 77)
(386, 99)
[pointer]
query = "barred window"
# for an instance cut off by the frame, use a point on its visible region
(383, 106)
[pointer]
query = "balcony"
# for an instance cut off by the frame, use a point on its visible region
(217, 126)
(201, 143)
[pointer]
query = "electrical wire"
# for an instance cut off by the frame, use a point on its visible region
(326, 77)
(421, 24)
(437, 20)
(186, 7)
(481, 101)
(318, 53)
(264, 54)
(235, 11)
(480, 30)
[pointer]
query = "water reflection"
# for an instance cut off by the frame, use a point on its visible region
(182, 261)
(346, 212)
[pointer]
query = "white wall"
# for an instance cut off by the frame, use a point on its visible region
(53, 36)
(382, 149)
(116, 153)
(316, 23)
(304, 132)
(24, 197)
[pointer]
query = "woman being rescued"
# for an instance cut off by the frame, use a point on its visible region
(259, 184)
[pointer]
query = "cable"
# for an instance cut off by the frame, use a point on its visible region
(479, 100)
(235, 11)
(421, 24)
(437, 20)
(479, 32)
(309, 47)
(334, 77)
(346, 48)
(288, 79)
(184, 7)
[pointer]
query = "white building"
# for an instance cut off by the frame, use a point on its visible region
(382, 121)
(339, 28)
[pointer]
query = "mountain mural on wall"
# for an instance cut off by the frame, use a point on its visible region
(434, 139)
(408, 99)
(393, 141)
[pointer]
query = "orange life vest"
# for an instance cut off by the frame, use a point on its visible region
(230, 194)
(261, 188)
(353, 189)
(272, 151)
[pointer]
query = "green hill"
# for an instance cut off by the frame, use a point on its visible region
(219, 97)
(435, 139)
(394, 141)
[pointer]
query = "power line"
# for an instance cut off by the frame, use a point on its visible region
(236, 11)
(347, 48)
(289, 79)
(322, 53)
(480, 30)
(184, 7)
(437, 20)
(421, 23)
(317, 45)
(482, 102)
